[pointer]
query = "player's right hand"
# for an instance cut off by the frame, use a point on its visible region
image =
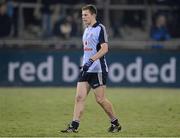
(87, 64)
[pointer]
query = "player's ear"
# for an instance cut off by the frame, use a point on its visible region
(94, 15)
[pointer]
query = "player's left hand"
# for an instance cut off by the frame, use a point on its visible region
(87, 64)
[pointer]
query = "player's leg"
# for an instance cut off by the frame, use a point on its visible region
(108, 108)
(103, 101)
(98, 83)
(82, 91)
(81, 94)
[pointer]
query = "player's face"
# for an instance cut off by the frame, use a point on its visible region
(87, 17)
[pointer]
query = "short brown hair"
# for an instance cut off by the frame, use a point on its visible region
(91, 8)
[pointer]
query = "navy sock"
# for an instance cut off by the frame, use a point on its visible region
(115, 122)
(75, 124)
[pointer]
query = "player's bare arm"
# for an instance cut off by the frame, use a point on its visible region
(101, 52)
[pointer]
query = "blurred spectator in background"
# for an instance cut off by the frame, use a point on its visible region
(5, 20)
(116, 19)
(55, 19)
(159, 30)
(77, 28)
(68, 26)
(63, 27)
(46, 17)
(174, 16)
(10, 8)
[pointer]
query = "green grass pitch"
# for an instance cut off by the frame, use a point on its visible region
(43, 112)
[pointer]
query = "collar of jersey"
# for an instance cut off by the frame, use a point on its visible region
(96, 24)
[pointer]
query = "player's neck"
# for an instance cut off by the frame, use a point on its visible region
(93, 22)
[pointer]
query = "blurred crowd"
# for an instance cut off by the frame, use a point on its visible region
(6, 16)
(53, 19)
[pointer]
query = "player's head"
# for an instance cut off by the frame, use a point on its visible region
(91, 8)
(89, 13)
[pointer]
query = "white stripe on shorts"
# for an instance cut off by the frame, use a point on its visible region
(100, 78)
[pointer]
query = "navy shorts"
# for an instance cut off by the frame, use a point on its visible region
(94, 79)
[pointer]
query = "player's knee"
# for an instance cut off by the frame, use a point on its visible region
(100, 100)
(79, 98)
